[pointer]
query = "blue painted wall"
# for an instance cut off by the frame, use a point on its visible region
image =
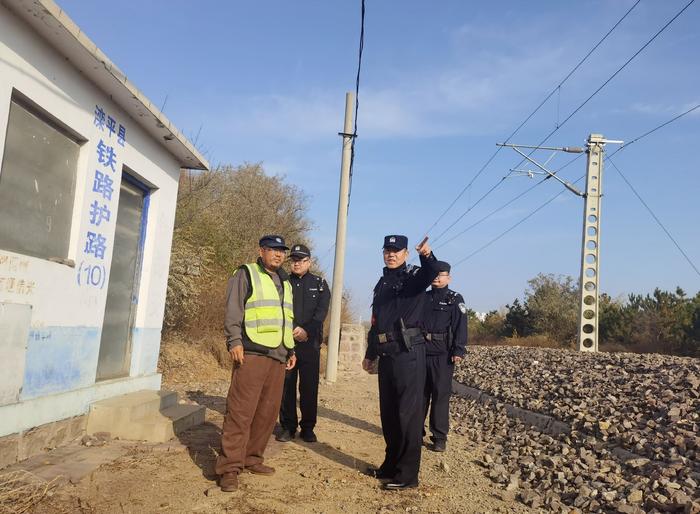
(60, 359)
(145, 346)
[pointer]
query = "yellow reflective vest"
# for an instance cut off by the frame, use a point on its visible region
(268, 319)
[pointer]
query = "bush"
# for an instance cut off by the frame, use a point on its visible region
(220, 217)
(663, 322)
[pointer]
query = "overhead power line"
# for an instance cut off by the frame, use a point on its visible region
(611, 77)
(540, 207)
(503, 206)
(656, 218)
(577, 109)
(658, 127)
(556, 89)
(357, 95)
(512, 227)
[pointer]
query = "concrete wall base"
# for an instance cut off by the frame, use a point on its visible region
(17, 447)
(25, 415)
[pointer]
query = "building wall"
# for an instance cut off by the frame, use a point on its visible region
(67, 310)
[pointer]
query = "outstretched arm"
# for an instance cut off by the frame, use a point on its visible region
(426, 274)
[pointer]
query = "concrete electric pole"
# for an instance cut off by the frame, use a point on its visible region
(341, 228)
(590, 245)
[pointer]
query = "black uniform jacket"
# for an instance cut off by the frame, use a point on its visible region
(311, 300)
(445, 313)
(399, 294)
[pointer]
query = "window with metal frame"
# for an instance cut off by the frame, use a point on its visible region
(37, 182)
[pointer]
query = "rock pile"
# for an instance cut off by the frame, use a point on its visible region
(632, 438)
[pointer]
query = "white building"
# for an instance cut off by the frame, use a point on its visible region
(88, 186)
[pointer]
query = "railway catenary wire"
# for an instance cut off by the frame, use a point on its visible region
(503, 206)
(607, 158)
(575, 111)
(653, 215)
(535, 111)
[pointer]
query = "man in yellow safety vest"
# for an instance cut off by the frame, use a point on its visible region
(258, 326)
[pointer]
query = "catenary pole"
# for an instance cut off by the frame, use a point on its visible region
(590, 245)
(590, 248)
(340, 231)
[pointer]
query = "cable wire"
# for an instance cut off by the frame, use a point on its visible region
(573, 113)
(357, 96)
(512, 227)
(629, 143)
(656, 218)
(498, 209)
(556, 89)
(646, 134)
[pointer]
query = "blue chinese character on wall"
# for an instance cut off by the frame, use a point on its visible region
(103, 185)
(96, 245)
(121, 136)
(106, 155)
(111, 125)
(98, 213)
(99, 117)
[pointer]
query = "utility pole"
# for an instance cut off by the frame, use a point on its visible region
(590, 245)
(341, 228)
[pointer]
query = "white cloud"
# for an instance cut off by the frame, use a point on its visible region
(482, 91)
(667, 109)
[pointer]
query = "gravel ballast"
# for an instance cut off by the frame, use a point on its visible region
(621, 431)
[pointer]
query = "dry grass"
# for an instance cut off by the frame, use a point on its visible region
(20, 491)
(183, 359)
(214, 344)
(535, 341)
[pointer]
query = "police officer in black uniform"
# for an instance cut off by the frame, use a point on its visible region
(445, 325)
(396, 339)
(311, 300)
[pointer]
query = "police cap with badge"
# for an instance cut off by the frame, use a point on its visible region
(300, 252)
(273, 241)
(395, 241)
(452, 296)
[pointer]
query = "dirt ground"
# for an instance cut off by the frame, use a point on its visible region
(323, 477)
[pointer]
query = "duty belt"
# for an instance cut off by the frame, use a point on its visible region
(437, 337)
(389, 337)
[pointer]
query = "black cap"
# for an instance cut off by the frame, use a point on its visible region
(443, 266)
(396, 241)
(273, 241)
(300, 251)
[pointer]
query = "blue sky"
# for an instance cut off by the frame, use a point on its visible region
(442, 82)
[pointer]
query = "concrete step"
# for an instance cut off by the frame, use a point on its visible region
(167, 424)
(118, 415)
(129, 407)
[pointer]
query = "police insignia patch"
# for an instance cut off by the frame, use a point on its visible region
(462, 308)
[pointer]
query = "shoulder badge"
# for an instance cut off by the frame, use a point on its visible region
(462, 308)
(451, 297)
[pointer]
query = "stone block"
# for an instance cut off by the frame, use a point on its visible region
(50, 435)
(352, 346)
(9, 450)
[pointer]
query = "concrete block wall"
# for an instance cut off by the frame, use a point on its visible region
(17, 447)
(353, 341)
